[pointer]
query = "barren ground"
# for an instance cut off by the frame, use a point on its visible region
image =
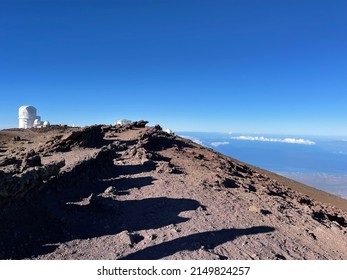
(158, 196)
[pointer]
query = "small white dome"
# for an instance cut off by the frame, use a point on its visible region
(37, 122)
(46, 123)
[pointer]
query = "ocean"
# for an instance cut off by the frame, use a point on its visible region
(320, 162)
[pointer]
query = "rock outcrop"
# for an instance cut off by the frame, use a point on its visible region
(16, 184)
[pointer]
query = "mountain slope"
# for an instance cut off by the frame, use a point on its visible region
(136, 192)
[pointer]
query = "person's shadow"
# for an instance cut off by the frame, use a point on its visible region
(207, 240)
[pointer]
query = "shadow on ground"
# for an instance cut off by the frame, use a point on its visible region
(132, 169)
(52, 217)
(207, 240)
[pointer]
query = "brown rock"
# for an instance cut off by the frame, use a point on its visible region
(254, 209)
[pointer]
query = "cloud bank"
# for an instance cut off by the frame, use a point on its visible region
(280, 140)
(195, 140)
(217, 144)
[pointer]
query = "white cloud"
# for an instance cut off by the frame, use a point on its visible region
(217, 144)
(195, 140)
(281, 140)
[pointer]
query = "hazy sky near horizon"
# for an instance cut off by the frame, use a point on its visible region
(264, 66)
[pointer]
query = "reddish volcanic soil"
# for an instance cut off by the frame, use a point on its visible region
(136, 192)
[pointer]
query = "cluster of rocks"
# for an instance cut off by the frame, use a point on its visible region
(85, 171)
(155, 139)
(146, 151)
(21, 170)
(18, 176)
(111, 131)
(88, 137)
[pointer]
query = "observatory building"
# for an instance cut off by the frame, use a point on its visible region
(28, 118)
(123, 122)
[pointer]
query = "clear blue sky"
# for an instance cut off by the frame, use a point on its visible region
(276, 66)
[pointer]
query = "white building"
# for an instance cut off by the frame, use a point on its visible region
(46, 123)
(123, 122)
(28, 118)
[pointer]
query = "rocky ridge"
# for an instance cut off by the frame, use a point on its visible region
(137, 192)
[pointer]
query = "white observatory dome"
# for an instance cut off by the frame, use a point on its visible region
(46, 123)
(27, 116)
(27, 111)
(37, 122)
